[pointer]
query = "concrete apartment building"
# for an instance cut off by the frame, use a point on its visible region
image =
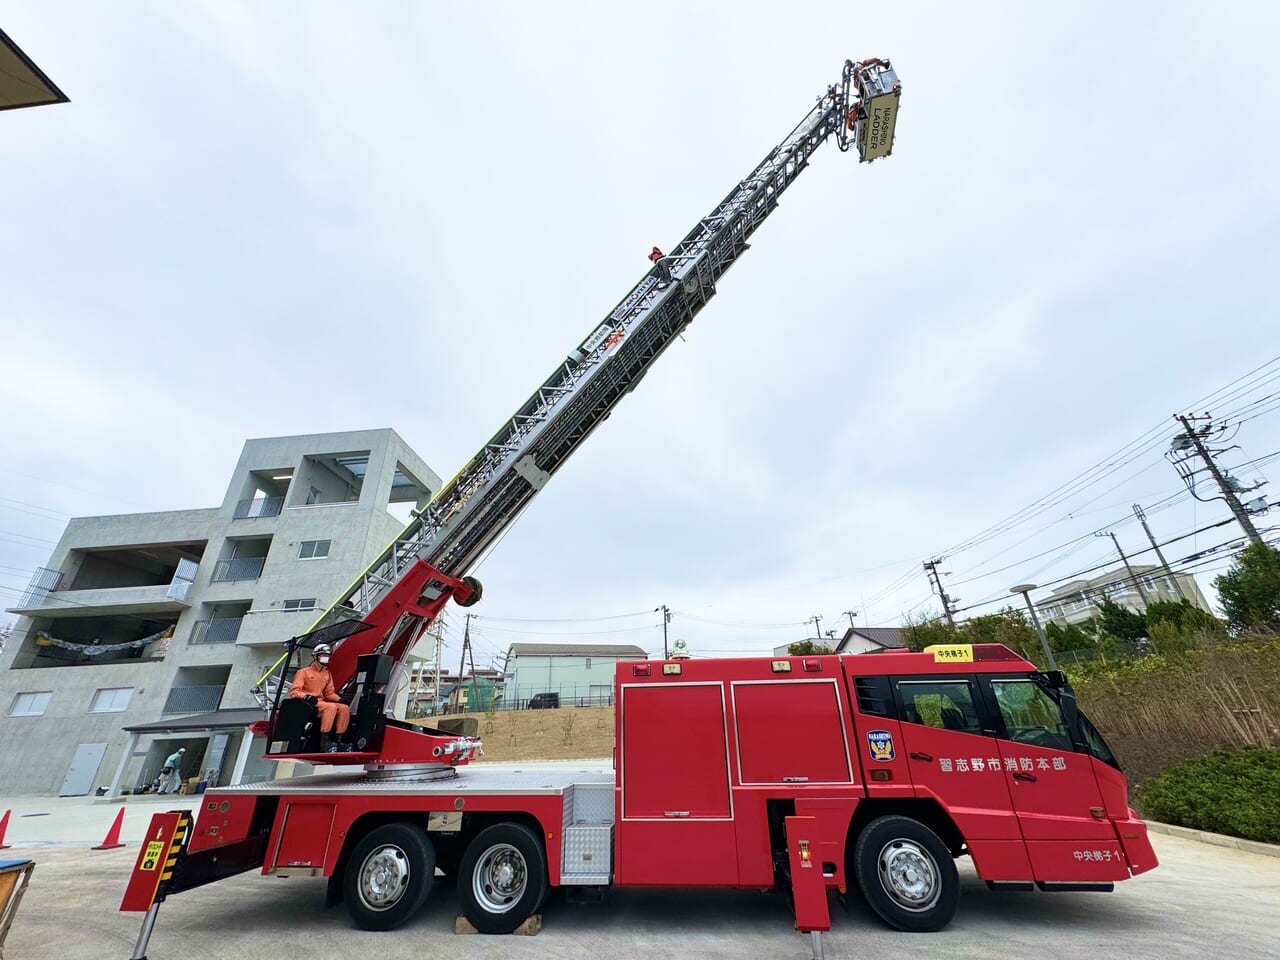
(146, 631)
(1073, 602)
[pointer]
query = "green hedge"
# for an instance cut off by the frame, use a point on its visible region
(1231, 792)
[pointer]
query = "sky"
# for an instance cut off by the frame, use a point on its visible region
(262, 220)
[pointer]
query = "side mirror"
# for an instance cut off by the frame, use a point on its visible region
(1054, 679)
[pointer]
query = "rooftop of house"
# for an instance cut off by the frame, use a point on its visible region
(623, 651)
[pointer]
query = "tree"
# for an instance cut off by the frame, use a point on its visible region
(807, 648)
(6, 631)
(1182, 617)
(1250, 589)
(1066, 639)
(1121, 622)
(1009, 627)
(925, 630)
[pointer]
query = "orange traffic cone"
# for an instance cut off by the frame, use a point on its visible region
(112, 840)
(4, 825)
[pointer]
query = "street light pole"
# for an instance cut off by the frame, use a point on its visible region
(1025, 589)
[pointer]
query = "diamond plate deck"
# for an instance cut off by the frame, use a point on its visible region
(471, 780)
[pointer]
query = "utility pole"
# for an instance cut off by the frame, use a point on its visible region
(935, 580)
(474, 703)
(850, 614)
(438, 626)
(1133, 576)
(1142, 518)
(816, 619)
(1241, 515)
(666, 618)
(467, 654)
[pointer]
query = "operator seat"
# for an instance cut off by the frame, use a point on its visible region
(296, 723)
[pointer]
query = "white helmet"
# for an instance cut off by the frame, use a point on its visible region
(321, 648)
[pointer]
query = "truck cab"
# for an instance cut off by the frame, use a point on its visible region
(904, 761)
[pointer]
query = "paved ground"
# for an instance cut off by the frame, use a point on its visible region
(1203, 902)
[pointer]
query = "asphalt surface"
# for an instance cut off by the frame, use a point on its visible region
(1202, 902)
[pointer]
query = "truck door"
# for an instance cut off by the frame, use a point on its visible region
(1053, 787)
(1055, 794)
(953, 756)
(676, 813)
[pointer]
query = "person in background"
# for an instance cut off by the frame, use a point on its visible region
(172, 771)
(314, 684)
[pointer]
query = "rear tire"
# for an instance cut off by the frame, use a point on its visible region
(502, 879)
(906, 874)
(388, 876)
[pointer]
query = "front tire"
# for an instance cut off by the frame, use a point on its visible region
(388, 876)
(502, 879)
(906, 874)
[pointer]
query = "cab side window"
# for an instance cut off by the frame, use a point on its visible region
(1030, 715)
(944, 704)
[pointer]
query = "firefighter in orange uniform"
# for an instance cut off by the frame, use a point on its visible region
(315, 685)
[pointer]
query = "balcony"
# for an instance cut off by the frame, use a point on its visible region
(216, 630)
(104, 601)
(43, 598)
(193, 699)
(259, 507)
(237, 568)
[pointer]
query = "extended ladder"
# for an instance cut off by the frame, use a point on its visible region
(471, 510)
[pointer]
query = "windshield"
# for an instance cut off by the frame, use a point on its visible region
(1097, 746)
(1083, 733)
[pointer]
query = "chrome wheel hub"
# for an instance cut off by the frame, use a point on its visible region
(384, 877)
(909, 875)
(500, 878)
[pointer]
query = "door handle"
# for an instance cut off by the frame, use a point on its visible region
(922, 756)
(1024, 776)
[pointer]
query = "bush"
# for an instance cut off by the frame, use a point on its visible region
(1231, 792)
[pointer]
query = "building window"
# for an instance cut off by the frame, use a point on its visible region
(313, 496)
(308, 604)
(314, 549)
(30, 704)
(588, 663)
(111, 700)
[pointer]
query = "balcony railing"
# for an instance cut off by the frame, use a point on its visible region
(238, 568)
(42, 581)
(259, 507)
(216, 630)
(193, 699)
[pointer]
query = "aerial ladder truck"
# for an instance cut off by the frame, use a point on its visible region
(800, 773)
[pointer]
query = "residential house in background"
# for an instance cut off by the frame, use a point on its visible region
(1074, 602)
(562, 674)
(870, 640)
(145, 632)
(856, 640)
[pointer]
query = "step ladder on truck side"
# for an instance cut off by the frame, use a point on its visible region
(374, 624)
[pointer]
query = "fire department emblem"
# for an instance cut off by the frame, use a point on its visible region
(880, 743)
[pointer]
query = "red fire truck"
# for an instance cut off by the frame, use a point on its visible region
(802, 773)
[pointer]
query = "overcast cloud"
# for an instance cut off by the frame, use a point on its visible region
(256, 220)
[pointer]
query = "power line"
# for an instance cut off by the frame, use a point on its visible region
(1131, 451)
(615, 616)
(995, 598)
